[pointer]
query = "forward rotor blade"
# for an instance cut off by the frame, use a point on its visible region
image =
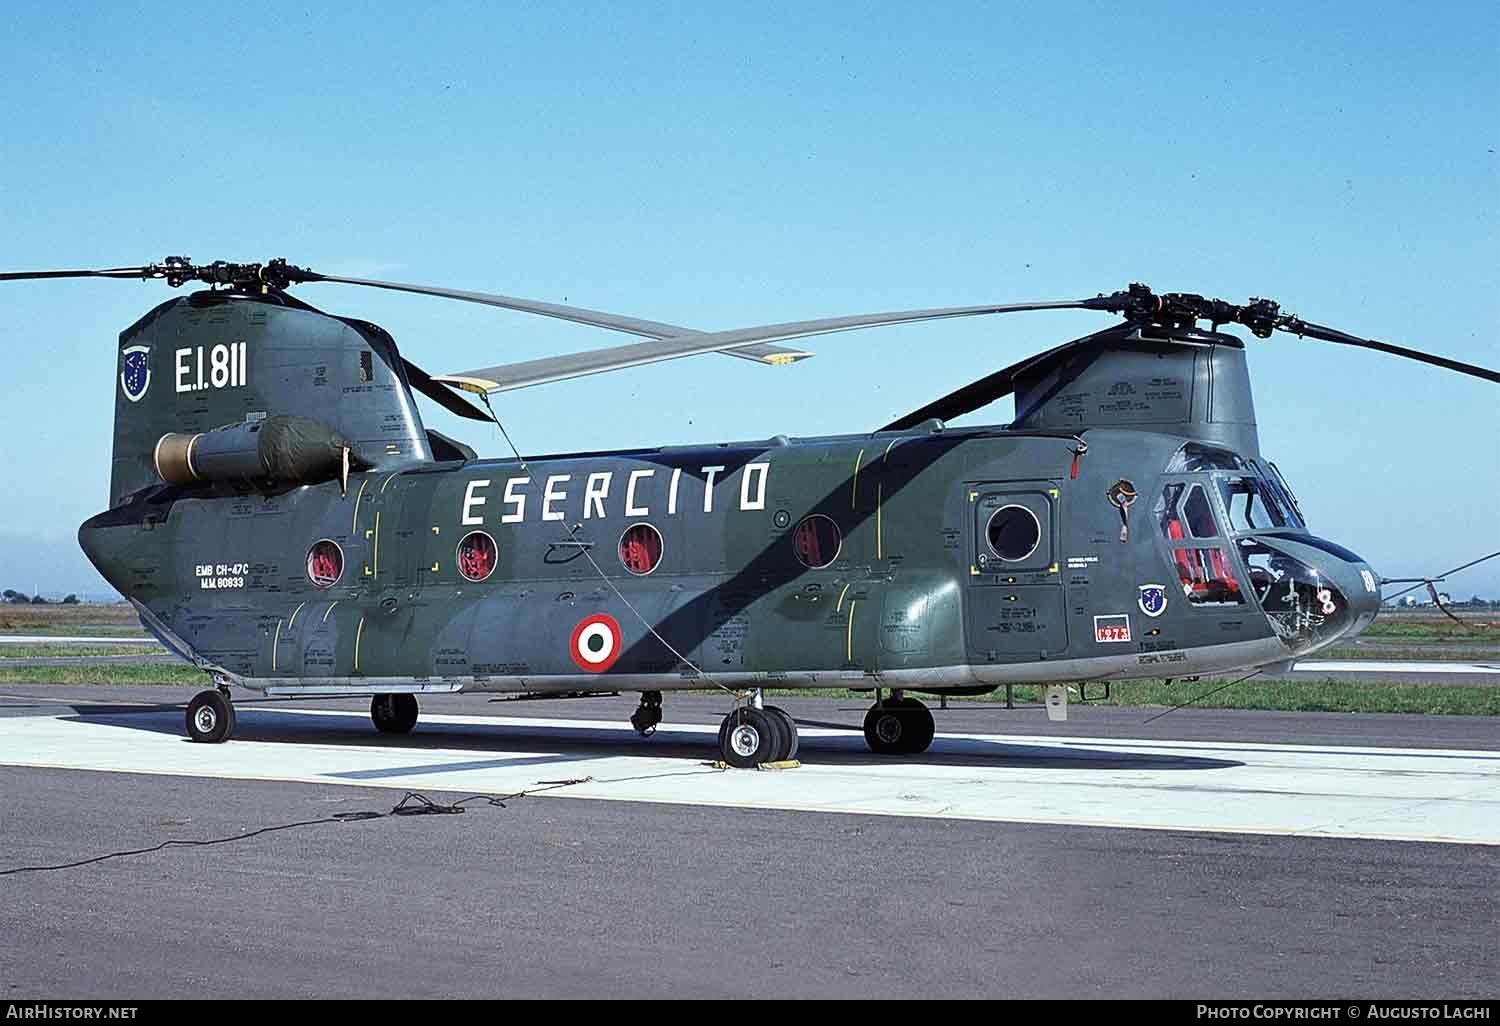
(558, 368)
(441, 394)
(761, 353)
(1325, 334)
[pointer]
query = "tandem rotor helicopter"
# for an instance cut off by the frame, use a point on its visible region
(280, 516)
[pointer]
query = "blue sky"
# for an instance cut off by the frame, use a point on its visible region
(716, 165)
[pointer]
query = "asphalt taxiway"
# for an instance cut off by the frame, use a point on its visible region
(1204, 852)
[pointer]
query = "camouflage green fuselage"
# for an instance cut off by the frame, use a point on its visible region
(914, 597)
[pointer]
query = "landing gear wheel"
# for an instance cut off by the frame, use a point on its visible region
(210, 717)
(394, 714)
(648, 714)
(920, 727)
(885, 730)
(750, 737)
(789, 729)
(899, 727)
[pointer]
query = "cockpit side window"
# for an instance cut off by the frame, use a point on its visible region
(1190, 517)
(1199, 514)
(1207, 576)
(1166, 513)
(1205, 573)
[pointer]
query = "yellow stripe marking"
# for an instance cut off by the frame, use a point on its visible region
(359, 633)
(275, 644)
(293, 621)
(354, 527)
(388, 481)
(328, 610)
(840, 607)
(854, 491)
(879, 500)
(376, 572)
(849, 636)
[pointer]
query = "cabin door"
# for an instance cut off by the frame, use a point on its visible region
(1014, 609)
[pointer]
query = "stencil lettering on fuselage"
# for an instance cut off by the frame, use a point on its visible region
(640, 493)
(203, 367)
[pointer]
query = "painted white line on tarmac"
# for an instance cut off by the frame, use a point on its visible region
(58, 639)
(1383, 666)
(1324, 791)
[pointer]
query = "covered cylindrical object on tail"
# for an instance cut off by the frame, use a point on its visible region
(283, 449)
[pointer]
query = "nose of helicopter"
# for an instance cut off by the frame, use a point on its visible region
(1358, 586)
(1314, 591)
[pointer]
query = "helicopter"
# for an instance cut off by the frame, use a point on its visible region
(281, 518)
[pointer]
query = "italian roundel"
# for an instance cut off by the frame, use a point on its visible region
(596, 643)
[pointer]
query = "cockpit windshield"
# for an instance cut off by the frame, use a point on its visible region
(1256, 497)
(1252, 504)
(1289, 499)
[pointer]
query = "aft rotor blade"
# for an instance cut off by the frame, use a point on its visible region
(441, 394)
(107, 272)
(979, 394)
(761, 353)
(558, 368)
(973, 396)
(1325, 334)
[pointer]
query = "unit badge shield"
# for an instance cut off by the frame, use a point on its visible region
(135, 371)
(1152, 599)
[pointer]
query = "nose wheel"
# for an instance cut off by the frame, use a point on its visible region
(749, 736)
(899, 726)
(394, 714)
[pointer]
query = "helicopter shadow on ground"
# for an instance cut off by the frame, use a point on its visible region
(532, 743)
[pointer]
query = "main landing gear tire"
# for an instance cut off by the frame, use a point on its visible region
(394, 714)
(899, 727)
(750, 736)
(210, 717)
(790, 726)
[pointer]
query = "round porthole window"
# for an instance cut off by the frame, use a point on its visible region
(816, 540)
(325, 564)
(640, 549)
(1014, 533)
(477, 556)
